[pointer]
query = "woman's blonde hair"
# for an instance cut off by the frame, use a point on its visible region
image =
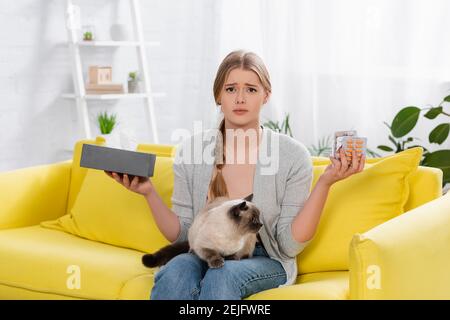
(237, 59)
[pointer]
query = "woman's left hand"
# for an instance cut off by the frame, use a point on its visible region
(341, 169)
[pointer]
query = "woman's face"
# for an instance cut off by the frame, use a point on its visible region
(241, 99)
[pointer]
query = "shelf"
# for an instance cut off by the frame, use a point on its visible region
(83, 98)
(115, 43)
(114, 96)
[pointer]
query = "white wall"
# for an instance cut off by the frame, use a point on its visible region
(37, 126)
(334, 65)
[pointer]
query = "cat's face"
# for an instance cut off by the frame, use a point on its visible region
(246, 216)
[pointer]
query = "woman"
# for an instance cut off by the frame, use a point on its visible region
(289, 212)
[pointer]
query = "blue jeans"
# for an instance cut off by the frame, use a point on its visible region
(187, 277)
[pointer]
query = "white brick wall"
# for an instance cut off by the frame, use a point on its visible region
(304, 45)
(37, 126)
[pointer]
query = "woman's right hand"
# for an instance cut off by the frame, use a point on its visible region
(141, 185)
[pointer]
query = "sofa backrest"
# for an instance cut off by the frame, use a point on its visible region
(425, 182)
(79, 173)
(425, 185)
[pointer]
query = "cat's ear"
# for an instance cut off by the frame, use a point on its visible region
(236, 209)
(249, 197)
(243, 205)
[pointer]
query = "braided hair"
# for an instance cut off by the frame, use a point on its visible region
(218, 187)
(236, 59)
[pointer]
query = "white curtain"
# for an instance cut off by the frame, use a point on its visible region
(334, 65)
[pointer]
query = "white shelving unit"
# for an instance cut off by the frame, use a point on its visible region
(80, 96)
(116, 43)
(113, 96)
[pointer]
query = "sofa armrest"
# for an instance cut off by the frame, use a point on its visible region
(407, 257)
(31, 195)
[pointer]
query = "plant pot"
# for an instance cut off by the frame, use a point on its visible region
(134, 86)
(112, 139)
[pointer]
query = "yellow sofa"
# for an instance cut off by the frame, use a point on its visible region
(36, 262)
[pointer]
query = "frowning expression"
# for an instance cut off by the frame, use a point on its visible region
(242, 98)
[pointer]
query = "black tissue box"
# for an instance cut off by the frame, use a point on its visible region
(132, 163)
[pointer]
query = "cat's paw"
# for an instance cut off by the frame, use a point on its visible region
(216, 262)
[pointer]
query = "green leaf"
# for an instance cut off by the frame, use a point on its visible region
(385, 148)
(439, 159)
(439, 134)
(269, 124)
(405, 121)
(284, 128)
(433, 112)
(447, 99)
(323, 148)
(372, 153)
(273, 124)
(283, 125)
(106, 123)
(290, 132)
(288, 127)
(406, 141)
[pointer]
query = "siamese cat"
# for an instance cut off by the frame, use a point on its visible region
(224, 229)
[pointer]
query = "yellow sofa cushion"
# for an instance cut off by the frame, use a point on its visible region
(78, 173)
(312, 286)
(36, 264)
(48, 262)
(106, 211)
(355, 205)
(405, 258)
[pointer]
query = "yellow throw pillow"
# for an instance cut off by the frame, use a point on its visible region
(356, 205)
(319, 160)
(106, 211)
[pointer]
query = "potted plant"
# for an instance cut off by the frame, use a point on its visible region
(88, 33)
(405, 120)
(106, 124)
(133, 82)
(275, 126)
(323, 148)
(87, 36)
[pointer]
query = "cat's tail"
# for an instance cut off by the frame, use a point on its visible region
(163, 255)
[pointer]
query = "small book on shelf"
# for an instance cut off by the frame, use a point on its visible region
(112, 86)
(104, 88)
(104, 91)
